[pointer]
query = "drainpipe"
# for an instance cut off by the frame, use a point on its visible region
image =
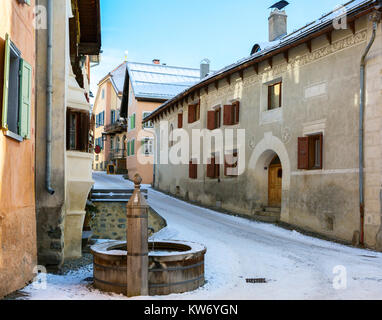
(49, 99)
(375, 18)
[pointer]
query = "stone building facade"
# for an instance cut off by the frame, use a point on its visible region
(60, 202)
(297, 101)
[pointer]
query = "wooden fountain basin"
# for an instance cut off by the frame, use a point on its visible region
(174, 267)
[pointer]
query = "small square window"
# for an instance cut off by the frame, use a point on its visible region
(274, 96)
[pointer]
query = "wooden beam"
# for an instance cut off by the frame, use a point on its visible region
(256, 68)
(270, 62)
(241, 74)
(217, 84)
(198, 93)
(229, 79)
(309, 45)
(192, 96)
(329, 37)
(206, 89)
(286, 56)
(352, 26)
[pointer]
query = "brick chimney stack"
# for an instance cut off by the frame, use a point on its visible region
(156, 61)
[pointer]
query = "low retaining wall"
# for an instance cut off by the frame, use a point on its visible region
(109, 220)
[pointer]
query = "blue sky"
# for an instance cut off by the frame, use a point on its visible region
(184, 32)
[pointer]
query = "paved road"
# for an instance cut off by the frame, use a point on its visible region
(295, 266)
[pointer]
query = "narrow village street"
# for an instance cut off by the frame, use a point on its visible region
(295, 266)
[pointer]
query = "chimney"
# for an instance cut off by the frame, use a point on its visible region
(156, 61)
(204, 68)
(277, 24)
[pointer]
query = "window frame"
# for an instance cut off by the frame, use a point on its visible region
(270, 86)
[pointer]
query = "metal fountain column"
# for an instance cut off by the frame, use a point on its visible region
(137, 243)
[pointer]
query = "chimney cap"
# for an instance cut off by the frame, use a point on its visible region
(156, 61)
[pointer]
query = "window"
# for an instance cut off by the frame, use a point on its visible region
(148, 124)
(148, 146)
(77, 130)
(132, 122)
(132, 146)
(213, 169)
(193, 113)
(17, 91)
(103, 94)
(100, 119)
(97, 159)
(214, 119)
(274, 96)
(180, 120)
(112, 116)
(231, 164)
(193, 169)
(232, 114)
(310, 152)
(112, 144)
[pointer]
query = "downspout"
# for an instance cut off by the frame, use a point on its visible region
(49, 99)
(375, 18)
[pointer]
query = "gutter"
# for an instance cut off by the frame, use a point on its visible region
(49, 98)
(375, 17)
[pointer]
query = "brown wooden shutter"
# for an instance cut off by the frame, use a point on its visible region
(193, 170)
(237, 112)
(191, 113)
(211, 123)
(228, 112)
(180, 120)
(303, 153)
(211, 169)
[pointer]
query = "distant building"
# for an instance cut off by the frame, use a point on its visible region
(109, 128)
(18, 249)
(119, 114)
(298, 100)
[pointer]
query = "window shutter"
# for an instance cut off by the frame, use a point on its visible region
(84, 132)
(211, 169)
(211, 124)
(228, 112)
(133, 147)
(134, 123)
(303, 153)
(128, 148)
(191, 113)
(4, 113)
(180, 120)
(193, 170)
(25, 99)
(237, 112)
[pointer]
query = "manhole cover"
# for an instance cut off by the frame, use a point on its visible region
(257, 280)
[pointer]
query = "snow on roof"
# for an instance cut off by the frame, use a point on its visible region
(269, 47)
(117, 77)
(157, 81)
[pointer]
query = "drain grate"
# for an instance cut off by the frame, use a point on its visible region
(257, 280)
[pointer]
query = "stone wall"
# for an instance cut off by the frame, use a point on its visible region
(109, 221)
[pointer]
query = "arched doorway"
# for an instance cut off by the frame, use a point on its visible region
(275, 183)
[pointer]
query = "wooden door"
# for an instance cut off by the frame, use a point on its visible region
(275, 185)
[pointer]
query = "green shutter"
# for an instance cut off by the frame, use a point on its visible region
(25, 99)
(7, 53)
(128, 148)
(134, 121)
(132, 147)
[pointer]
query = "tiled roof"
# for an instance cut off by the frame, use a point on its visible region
(155, 81)
(117, 77)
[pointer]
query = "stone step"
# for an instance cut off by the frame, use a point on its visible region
(272, 209)
(268, 219)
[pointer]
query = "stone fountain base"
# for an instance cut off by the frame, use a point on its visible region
(174, 267)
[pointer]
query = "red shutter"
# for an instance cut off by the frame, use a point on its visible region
(211, 169)
(180, 120)
(191, 113)
(211, 125)
(237, 112)
(303, 153)
(228, 111)
(193, 170)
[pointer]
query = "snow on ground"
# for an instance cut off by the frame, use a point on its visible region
(296, 266)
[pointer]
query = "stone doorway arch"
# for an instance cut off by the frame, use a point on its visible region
(266, 151)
